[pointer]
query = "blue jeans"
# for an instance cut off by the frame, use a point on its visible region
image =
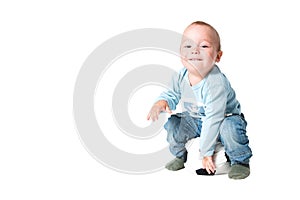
(182, 127)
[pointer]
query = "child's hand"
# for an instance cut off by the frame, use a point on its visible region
(157, 108)
(208, 164)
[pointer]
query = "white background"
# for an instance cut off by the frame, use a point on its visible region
(43, 46)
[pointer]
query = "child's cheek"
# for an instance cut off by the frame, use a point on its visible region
(183, 53)
(184, 61)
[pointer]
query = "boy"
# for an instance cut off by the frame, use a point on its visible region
(210, 108)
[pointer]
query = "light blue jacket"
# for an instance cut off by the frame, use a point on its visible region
(211, 100)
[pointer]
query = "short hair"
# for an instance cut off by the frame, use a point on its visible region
(201, 23)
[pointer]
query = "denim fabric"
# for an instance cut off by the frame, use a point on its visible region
(233, 137)
(182, 127)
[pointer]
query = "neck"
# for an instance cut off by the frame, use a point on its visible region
(194, 78)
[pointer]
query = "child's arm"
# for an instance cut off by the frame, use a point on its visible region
(168, 100)
(157, 108)
(215, 105)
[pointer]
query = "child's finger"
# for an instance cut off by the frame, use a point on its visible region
(210, 168)
(153, 115)
(168, 109)
(148, 116)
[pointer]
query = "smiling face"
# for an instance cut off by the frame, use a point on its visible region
(200, 49)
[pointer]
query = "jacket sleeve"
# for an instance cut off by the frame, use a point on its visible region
(172, 95)
(214, 105)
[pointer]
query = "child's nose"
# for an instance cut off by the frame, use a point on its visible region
(195, 50)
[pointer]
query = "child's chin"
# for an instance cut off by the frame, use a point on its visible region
(195, 65)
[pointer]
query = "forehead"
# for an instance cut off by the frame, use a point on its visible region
(198, 33)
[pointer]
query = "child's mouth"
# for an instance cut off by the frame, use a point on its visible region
(195, 59)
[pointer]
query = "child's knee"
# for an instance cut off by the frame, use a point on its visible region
(232, 124)
(233, 129)
(172, 122)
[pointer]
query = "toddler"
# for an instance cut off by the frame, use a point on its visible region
(210, 108)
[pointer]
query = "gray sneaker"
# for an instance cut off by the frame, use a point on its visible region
(238, 171)
(175, 164)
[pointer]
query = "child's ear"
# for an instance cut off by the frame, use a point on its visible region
(219, 55)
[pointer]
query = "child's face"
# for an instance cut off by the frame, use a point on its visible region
(199, 48)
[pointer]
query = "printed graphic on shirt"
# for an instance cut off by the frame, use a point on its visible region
(195, 109)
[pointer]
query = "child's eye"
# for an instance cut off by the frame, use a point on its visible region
(204, 46)
(188, 46)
